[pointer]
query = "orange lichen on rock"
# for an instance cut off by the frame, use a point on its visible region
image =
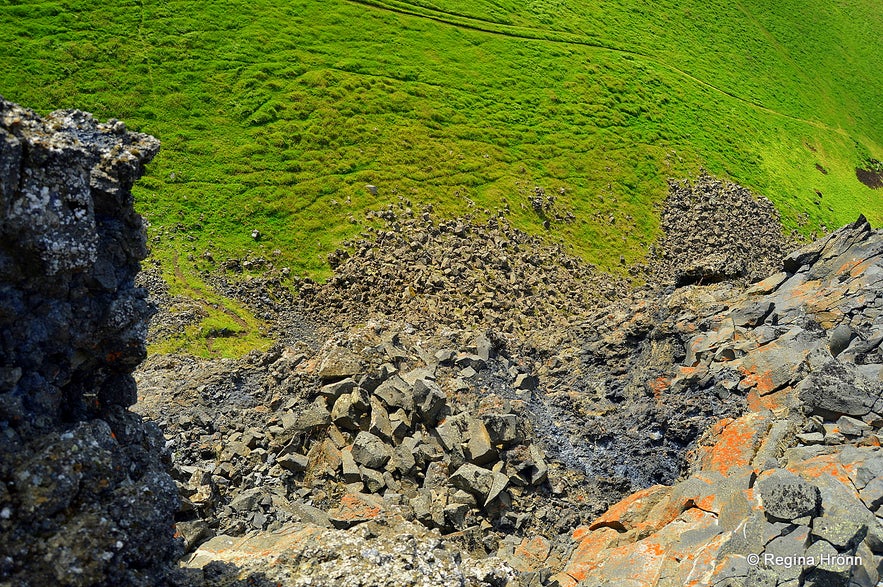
(777, 401)
(587, 556)
(860, 268)
(736, 444)
(659, 385)
(354, 508)
(531, 554)
(825, 466)
(632, 510)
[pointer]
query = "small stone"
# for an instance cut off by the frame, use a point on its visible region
(455, 515)
(334, 390)
(370, 451)
(312, 417)
(402, 460)
(480, 482)
(372, 479)
(468, 360)
(448, 432)
(344, 412)
(339, 364)
(852, 427)
(785, 496)
(350, 469)
(293, 462)
(445, 356)
(872, 494)
(503, 429)
(480, 450)
(484, 347)
(422, 506)
(811, 438)
(429, 399)
(840, 338)
(526, 382)
(396, 393)
(246, 501)
(400, 423)
(540, 470)
(354, 508)
(380, 424)
(832, 569)
(193, 533)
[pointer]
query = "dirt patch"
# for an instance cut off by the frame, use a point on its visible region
(822, 169)
(873, 178)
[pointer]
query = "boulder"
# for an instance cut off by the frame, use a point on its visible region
(480, 450)
(312, 417)
(526, 382)
(396, 394)
(429, 399)
(785, 496)
(484, 484)
(339, 363)
(370, 451)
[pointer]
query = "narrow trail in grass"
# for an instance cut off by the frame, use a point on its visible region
(519, 32)
(780, 49)
(199, 295)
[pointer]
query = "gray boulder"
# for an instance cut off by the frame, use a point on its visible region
(785, 496)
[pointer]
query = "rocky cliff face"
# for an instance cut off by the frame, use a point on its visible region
(84, 498)
(472, 428)
(789, 493)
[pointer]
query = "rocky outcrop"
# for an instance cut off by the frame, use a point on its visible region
(787, 493)
(84, 496)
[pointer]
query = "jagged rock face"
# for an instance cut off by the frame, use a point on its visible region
(70, 243)
(84, 498)
(788, 493)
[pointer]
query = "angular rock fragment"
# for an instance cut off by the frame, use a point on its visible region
(340, 363)
(785, 496)
(370, 451)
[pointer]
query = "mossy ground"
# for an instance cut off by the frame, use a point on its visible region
(274, 116)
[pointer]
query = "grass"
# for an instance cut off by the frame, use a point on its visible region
(228, 329)
(274, 116)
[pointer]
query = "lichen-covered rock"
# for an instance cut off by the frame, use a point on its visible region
(84, 496)
(780, 495)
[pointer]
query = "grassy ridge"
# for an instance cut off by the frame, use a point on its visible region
(274, 116)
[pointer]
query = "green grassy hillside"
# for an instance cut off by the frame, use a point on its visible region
(275, 115)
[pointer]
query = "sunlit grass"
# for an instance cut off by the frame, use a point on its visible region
(274, 116)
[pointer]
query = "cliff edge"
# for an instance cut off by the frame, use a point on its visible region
(84, 496)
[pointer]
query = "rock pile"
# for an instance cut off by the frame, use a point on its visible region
(717, 231)
(457, 273)
(437, 431)
(84, 496)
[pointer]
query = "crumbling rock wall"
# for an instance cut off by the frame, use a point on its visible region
(84, 496)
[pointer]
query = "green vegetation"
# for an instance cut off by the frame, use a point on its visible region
(228, 329)
(275, 115)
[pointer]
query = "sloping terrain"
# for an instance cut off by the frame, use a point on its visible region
(275, 117)
(740, 425)
(697, 430)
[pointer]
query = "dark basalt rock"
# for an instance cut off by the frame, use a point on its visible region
(84, 495)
